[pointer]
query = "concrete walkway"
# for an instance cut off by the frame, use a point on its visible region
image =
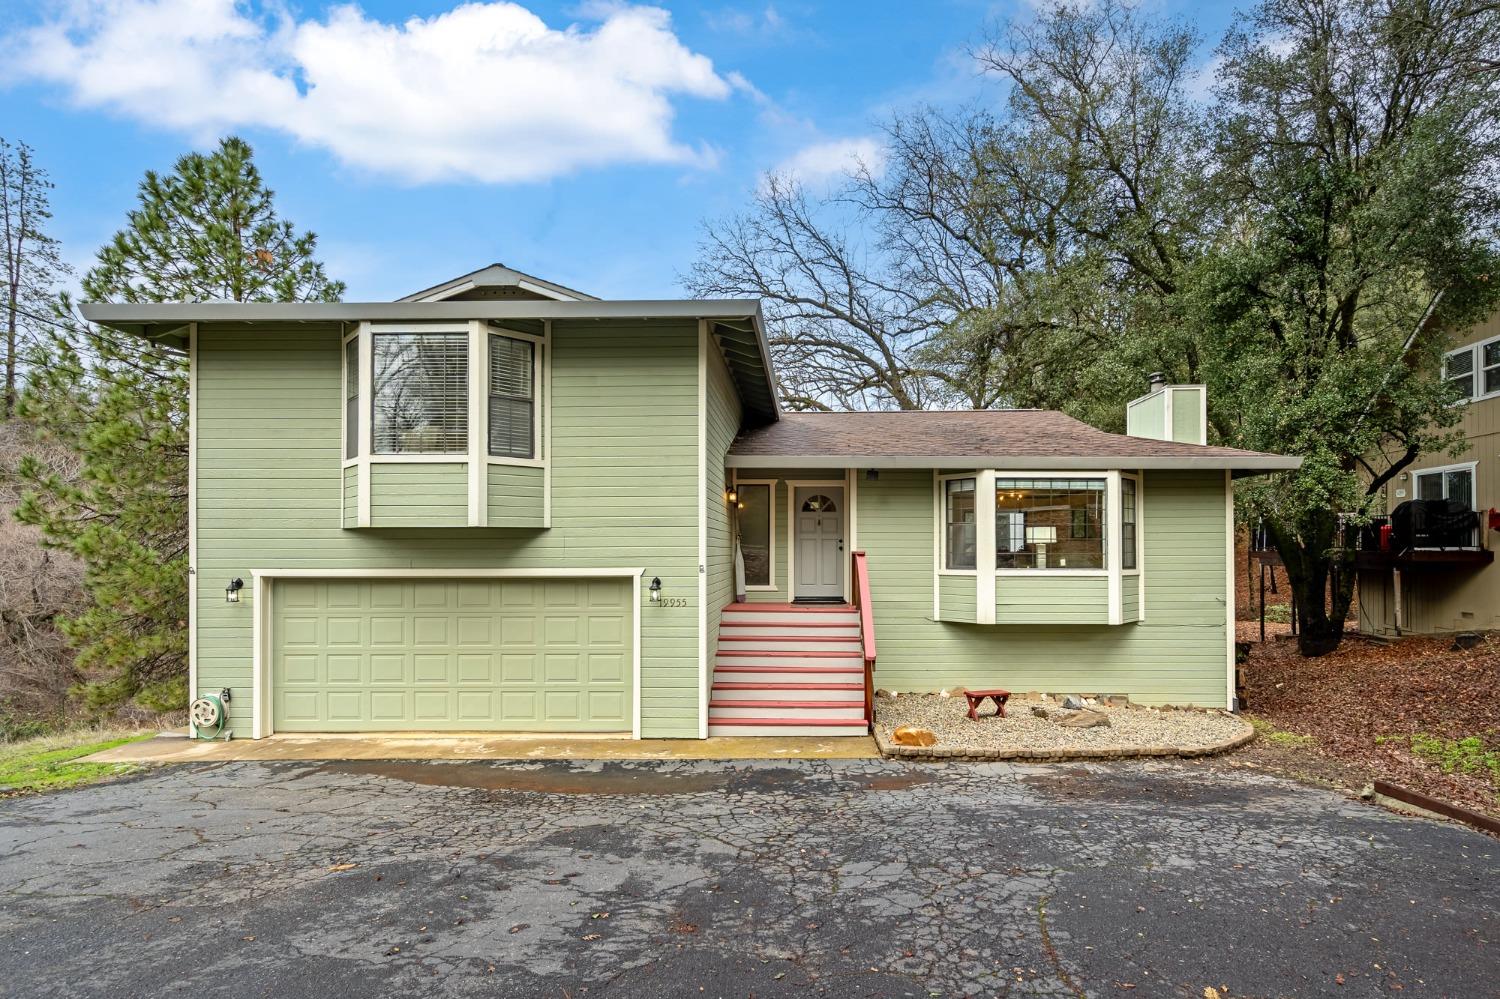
(172, 748)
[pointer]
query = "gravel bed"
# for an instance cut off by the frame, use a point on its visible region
(1132, 731)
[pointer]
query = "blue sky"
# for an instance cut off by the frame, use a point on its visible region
(580, 142)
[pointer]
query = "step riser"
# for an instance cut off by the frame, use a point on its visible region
(723, 714)
(731, 730)
(727, 630)
(850, 646)
(766, 676)
(790, 694)
(787, 617)
(842, 662)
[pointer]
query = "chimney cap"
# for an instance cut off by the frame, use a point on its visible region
(1156, 381)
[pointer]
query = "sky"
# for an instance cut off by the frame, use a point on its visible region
(421, 139)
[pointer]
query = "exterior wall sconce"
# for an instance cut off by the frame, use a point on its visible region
(655, 589)
(232, 591)
(732, 495)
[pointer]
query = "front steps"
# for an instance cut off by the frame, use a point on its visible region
(788, 669)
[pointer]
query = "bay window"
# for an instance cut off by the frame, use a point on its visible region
(351, 397)
(960, 524)
(1049, 523)
(512, 394)
(419, 383)
(1127, 523)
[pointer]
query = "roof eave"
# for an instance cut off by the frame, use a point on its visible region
(1248, 464)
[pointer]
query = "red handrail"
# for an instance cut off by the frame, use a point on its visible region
(866, 631)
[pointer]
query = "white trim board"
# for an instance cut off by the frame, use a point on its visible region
(192, 513)
(703, 347)
(262, 640)
(1229, 635)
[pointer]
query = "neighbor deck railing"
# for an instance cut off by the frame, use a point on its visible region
(861, 575)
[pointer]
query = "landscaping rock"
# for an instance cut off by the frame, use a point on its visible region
(882, 692)
(1038, 711)
(1117, 701)
(1085, 719)
(1073, 702)
(910, 735)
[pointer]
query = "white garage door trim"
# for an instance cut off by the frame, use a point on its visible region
(260, 632)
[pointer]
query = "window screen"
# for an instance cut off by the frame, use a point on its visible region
(512, 397)
(1049, 523)
(351, 398)
(1458, 368)
(421, 387)
(755, 533)
(959, 524)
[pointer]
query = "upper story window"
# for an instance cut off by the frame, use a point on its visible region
(512, 392)
(420, 390)
(351, 397)
(1049, 523)
(1475, 369)
(960, 524)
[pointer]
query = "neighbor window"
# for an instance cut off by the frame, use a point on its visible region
(1049, 523)
(512, 397)
(1475, 369)
(959, 520)
(755, 532)
(421, 393)
(1456, 484)
(1127, 523)
(351, 398)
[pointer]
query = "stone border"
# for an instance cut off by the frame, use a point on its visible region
(1058, 755)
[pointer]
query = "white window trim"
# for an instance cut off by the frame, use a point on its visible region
(942, 523)
(1472, 467)
(540, 409)
(792, 485)
(366, 335)
(1477, 373)
(262, 640)
(770, 485)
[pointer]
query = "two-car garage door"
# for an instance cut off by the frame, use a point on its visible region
(382, 655)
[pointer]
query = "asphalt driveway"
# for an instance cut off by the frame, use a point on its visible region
(844, 878)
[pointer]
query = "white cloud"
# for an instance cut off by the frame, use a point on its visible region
(827, 162)
(486, 91)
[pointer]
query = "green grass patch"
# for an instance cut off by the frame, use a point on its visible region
(48, 763)
(1279, 736)
(1462, 756)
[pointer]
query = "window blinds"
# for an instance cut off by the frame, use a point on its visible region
(512, 397)
(420, 384)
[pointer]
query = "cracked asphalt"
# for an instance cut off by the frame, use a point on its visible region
(839, 878)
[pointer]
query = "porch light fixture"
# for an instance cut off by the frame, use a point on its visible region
(232, 591)
(655, 589)
(732, 495)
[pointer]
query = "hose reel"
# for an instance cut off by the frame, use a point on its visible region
(208, 714)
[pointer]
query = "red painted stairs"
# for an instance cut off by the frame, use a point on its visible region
(788, 669)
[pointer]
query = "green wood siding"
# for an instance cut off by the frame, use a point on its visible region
(548, 655)
(780, 500)
(419, 494)
(624, 487)
(515, 496)
(1060, 599)
(1187, 417)
(1130, 599)
(351, 496)
(1178, 655)
(958, 597)
(1147, 417)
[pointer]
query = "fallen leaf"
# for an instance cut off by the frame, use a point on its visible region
(342, 867)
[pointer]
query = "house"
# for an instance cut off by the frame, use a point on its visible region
(1427, 587)
(501, 504)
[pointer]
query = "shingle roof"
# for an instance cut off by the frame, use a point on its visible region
(1013, 438)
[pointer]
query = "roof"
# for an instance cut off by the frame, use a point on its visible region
(1029, 439)
(735, 324)
(498, 281)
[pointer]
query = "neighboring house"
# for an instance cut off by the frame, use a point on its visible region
(502, 505)
(1426, 590)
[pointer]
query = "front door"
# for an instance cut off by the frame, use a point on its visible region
(819, 542)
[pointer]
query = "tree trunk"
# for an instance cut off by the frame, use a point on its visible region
(1321, 574)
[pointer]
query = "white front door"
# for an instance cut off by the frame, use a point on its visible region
(818, 516)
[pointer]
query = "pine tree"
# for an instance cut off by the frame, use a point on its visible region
(209, 231)
(30, 257)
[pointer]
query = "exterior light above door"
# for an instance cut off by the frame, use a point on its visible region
(232, 591)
